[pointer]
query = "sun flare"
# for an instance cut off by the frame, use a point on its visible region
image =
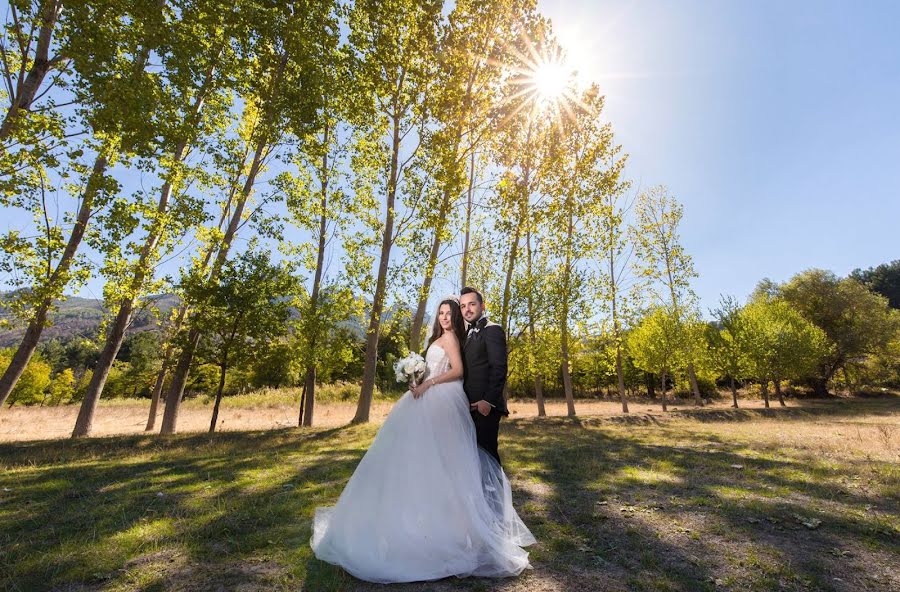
(550, 80)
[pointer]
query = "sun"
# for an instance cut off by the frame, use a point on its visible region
(545, 83)
(551, 79)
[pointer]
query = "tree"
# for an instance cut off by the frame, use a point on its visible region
(110, 48)
(62, 388)
(26, 59)
(197, 68)
(727, 347)
(523, 125)
(617, 297)
(317, 202)
(474, 57)
(653, 344)
(282, 88)
(663, 262)
(884, 280)
(781, 344)
(534, 283)
(392, 46)
(582, 167)
(242, 314)
(857, 322)
(30, 389)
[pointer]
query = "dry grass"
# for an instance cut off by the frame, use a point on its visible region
(129, 416)
(800, 499)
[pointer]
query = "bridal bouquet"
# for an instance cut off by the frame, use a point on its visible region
(411, 368)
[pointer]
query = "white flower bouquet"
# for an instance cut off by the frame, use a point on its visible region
(410, 369)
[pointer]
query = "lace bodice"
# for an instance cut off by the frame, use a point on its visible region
(436, 360)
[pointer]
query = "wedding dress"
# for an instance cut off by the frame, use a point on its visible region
(425, 502)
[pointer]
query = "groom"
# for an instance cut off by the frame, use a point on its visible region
(484, 370)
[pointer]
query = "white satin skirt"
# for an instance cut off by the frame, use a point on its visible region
(425, 502)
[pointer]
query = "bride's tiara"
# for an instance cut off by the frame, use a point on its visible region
(452, 297)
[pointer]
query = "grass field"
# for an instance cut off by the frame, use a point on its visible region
(801, 498)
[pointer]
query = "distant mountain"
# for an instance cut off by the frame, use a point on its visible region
(81, 317)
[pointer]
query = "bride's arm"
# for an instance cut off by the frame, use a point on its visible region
(456, 364)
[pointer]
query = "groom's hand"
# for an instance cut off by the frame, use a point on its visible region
(483, 407)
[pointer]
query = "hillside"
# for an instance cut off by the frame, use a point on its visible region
(81, 317)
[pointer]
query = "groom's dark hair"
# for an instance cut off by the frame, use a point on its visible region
(470, 290)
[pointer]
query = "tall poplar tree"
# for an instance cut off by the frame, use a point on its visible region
(284, 78)
(662, 259)
(109, 44)
(392, 46)
(198, 65)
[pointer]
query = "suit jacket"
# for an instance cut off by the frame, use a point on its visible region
(484, 370)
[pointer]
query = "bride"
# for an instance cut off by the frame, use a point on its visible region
(425, 502)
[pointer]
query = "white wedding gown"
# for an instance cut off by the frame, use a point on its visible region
(425, 502)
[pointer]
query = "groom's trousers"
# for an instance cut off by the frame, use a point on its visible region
(487, 427)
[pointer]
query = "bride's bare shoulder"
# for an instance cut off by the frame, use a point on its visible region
(449, 340)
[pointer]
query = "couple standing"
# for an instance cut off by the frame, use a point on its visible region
(429, 499)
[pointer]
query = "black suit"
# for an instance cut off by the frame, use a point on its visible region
(484, 376)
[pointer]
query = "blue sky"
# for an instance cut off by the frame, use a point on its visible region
(775, 123)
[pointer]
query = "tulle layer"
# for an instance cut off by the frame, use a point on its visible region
(424, 502)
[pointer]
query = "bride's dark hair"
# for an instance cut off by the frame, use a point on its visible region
(456, 322)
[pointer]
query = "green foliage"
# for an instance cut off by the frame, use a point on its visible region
(858, 323)
(884, 280)
(728, 350)
(780, 342)
(245, 311)
(32, 386)
(653, 343)
(62, 388)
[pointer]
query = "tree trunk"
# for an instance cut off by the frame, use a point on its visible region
(564, 323)
(215, 416)
(40, 66)
(620, 373)
(309, 385)
(507, 284)
(307, 400)
(662, 386)
(567, 377)
(468, 225)
(764, 388)
(777, 383)
(524, 204)
(532, 337)
(651, 385)
(179, 378)
(101, 371)
(387, 239)
(734, 393)
(415, 333)
(694, 387)
(302, 404)
(57, 281)
(676, 308)
(167, 362)
(157, 391)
